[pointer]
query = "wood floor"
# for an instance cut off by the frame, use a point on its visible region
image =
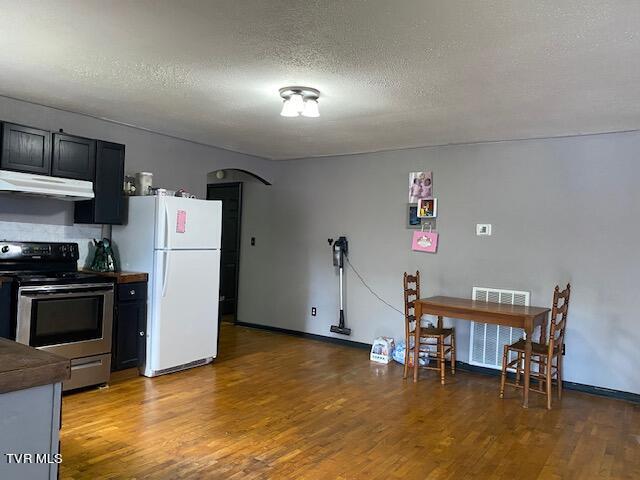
(280, 407)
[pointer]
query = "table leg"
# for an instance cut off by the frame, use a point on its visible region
(416, 346)
(527, 366)
(440, 322)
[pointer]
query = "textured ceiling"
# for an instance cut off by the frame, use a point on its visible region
(392, 74)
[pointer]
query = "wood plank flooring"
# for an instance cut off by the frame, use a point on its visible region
(280, 407)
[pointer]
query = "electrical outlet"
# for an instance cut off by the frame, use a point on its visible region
(253, 241)
(313, 311)
(483, 229)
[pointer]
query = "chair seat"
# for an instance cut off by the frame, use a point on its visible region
(427, 331)
(434, 331)
(536, 348)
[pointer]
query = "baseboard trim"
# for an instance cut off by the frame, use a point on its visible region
(579, 387)
(311, 336)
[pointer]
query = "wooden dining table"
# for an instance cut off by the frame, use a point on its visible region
(525, 317)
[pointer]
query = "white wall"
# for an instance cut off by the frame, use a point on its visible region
(563, 210)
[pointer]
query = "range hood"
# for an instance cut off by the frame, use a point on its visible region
(56, 187)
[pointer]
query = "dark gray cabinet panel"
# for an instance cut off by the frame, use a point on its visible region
(130, 329)
(73, 157)
(25, 149)
(108, 205)
(7, 326)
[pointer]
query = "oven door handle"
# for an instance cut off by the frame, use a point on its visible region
(63, 292)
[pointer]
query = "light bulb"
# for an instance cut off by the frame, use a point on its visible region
(288, 109)
(310, 108)
(297, 101)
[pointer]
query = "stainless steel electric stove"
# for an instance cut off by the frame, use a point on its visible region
(56, 308)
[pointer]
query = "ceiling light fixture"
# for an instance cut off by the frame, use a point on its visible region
(299, 101)
(310, 108)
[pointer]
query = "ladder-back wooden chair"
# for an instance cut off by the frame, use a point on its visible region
(433, 340)
(545, 356)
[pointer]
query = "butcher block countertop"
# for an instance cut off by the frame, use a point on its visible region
(24, 367)
(125, 277)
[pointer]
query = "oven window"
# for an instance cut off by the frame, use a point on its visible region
(65, 320)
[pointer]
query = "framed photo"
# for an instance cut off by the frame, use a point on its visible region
(420, 186)
(413, 221)
(428, 208)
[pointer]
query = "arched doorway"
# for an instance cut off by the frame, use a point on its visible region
(227, 185)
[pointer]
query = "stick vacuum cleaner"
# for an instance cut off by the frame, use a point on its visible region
(340, 249)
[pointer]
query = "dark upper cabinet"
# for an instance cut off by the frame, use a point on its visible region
(32, 150)
(25, 149)
(73, 157)
(108, 204)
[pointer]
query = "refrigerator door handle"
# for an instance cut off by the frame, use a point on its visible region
(165, 276)
(167, 235)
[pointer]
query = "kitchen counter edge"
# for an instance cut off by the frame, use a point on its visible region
(23, 367)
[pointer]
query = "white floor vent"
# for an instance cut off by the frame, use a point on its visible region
(487, 341)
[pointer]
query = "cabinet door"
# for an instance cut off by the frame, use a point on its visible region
(109, 200)
(130, 318)
(25, 149)
(142, 333)
(108, 204)
(7, 327)
(73, 157)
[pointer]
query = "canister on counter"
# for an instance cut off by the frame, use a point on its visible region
(144, 182)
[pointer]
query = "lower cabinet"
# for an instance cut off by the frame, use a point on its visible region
(130, 326)
(30, 425)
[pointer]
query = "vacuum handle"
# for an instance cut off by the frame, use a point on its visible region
(341, 288)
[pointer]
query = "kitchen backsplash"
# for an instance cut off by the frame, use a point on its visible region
(83, 235)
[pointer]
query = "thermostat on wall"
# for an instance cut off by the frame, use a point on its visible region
(483, 229)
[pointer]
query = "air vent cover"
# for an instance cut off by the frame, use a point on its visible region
(486, 340)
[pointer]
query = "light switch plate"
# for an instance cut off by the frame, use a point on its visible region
(483, 229)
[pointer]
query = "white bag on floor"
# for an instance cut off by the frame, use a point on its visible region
(398, 355)
(382, 350)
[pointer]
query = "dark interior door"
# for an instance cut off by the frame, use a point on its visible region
(231, 196)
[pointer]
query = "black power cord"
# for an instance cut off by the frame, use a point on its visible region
(370, 289)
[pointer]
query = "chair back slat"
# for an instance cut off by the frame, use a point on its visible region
(559, 315)
(411, 286)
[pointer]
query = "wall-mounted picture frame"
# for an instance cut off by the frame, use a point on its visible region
(428, 208)
(420, 186)
(413, 221)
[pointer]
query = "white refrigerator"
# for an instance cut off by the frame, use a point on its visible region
(177, 241)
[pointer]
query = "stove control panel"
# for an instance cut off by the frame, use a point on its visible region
(38, 251)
